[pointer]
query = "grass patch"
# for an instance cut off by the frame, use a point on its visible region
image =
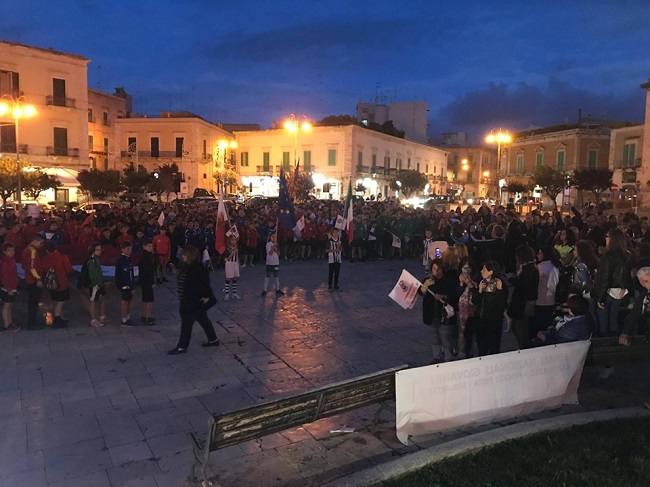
(612, 453)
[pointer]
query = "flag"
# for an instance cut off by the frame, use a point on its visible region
(301, 223)
(340, 223)
(348, 213)
(405, 292)
(286, 213)
(222, 221)
(161, 218)
(233, 231)
(397, 242)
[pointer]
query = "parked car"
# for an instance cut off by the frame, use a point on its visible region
(262, 201)
(94, 206)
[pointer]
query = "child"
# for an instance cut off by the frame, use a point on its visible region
(571, 328)
(147, 270)
(162, 248)
(334, 259)
(272, 264)
(232, 268)
(124, 280)
(96, 285)
(426, 258)
(9, 279)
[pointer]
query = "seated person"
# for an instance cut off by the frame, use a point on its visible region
(571, 328)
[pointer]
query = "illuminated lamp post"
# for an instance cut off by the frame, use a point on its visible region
(294, 125)
(500, 137)
(18, 110)
(223, 146)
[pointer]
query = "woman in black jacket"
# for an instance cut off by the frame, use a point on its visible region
(490, 300)
(613, 282)
(524, 295)
(196, 297)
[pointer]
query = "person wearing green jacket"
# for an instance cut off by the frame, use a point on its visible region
(96, 285)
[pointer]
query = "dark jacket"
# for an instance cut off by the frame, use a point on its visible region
(193, 285)
(431, 307)
(613, 272)
(490, 305)
(636, 317)
(124, 272)
(574, 329)
(146, 269)
(525, 289)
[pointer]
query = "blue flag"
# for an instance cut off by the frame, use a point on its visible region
(287, 214)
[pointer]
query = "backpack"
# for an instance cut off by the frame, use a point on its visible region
(84, 277)
(49, 281)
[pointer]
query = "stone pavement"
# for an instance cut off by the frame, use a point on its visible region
(108, 407)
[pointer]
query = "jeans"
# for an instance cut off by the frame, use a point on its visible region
(334, 271)
(607, 319)
(441, 342)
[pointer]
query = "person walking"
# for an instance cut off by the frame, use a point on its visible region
(60, 264)
(195, 298)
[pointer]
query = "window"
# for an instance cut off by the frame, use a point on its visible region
(387, 162)
(60, 141)
(155, 147)
(398, 162)
(539, 159)
(469, 176)
(243, 159)
(456, 159)
(106, 145)
(593, 158)
(91, 144)
(105, 163)
(285, 160)
(132, 146)
(307, 160)
(93, 163)
(417, 166)
(91, 117)
(180, 142)
(9, 84)
(359, 158)
(520, 164)
(426, 168)
(559, 163)
(435, 168)
(58, 92)
(105, 121)
(374, 160)
(266, 161)
(408, 163)
(629, 154)
(205, 149)
(331, 157)
(8, 138)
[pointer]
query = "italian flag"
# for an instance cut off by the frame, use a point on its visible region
(220, 233)
(348, 214)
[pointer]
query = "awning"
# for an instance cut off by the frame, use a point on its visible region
(67, 177)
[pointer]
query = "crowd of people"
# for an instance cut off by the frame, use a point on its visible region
(491, 270)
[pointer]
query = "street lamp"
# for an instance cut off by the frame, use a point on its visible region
(294, 125)
(223, 146)
(17, 109)
(500, 137)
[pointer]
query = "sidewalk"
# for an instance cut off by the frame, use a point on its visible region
(109, 407)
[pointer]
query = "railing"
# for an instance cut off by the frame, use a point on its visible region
(106, 123)
(91, 119)
(377, 169)
(264, 169)
(629, 164)
(61, 151)
(99, 152)
(59, 101)
(363, 169)
(23, 148)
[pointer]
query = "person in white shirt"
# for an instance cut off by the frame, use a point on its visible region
(548, 265)
(272, 264)
(334, 259)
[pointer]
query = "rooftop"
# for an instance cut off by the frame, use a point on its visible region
(48, 50)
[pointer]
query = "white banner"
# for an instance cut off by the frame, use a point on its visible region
(405, 292)
(486, 389)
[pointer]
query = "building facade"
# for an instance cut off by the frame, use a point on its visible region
(103, 112)
(471, 171)
(334, 156)
(200, 149)
(411, 117)
(55, 83)
(645, 152)
(625, 150)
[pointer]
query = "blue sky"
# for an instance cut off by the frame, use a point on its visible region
(478, 64)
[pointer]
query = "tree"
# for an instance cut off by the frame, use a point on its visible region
(592, 179)
(335, 120)
(550, 180)
(409, 181)
(225, 177)
(135, 180)
(35, 182)
(163, 180)
(9, 177)
(518, 186)
(303, 184)
(99, 184)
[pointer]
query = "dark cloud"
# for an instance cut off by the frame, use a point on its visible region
(525, 106)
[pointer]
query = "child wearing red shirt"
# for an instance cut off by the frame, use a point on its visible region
(9, 280)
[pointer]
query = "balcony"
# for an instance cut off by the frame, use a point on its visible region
(377, 169)
(61, 151)
(100, 151)
(91, 119)
(106, 123)
(266, 170)
(11, 148)
(363, 169)
(58, 101)
(628, 164)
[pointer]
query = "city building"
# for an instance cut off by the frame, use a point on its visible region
(55, 139)
(625, 149)
(200, 149)
(411, 117)
(335, 155)
(645, 143)
(471, 171)
(103, 112)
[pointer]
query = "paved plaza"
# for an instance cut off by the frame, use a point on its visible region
(108, 406)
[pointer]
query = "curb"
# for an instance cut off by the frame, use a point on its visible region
(468, 444)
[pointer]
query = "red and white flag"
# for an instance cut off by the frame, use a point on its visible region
(222, 223)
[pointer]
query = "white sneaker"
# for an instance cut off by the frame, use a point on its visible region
(252, 265)
(236, 296)
(226, 297)
(243, 265)
(103, 320)
(96, 323)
